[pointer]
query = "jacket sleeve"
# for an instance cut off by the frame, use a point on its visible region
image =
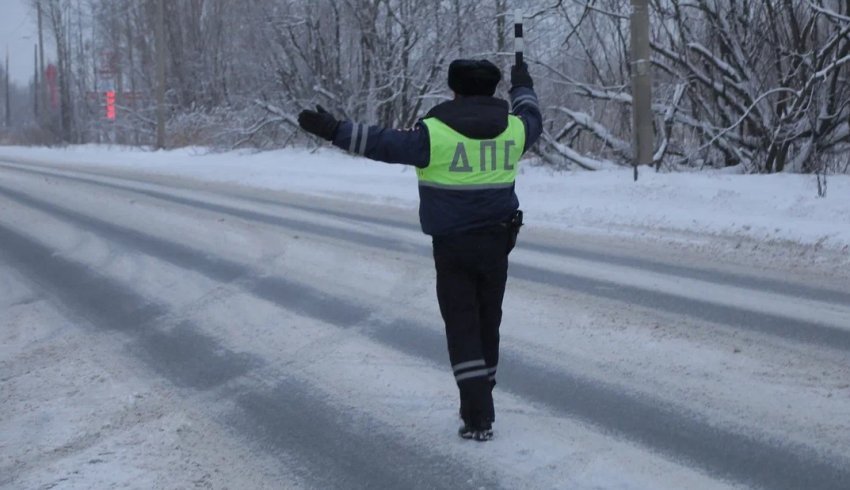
(408, 147)
(525, 105)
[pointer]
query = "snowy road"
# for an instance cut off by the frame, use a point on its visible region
(267, 339)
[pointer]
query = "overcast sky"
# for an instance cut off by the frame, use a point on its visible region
(18, 32)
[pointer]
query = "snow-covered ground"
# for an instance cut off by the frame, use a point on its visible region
(290, 339)
(760, 207)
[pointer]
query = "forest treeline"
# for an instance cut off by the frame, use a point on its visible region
(760, 84)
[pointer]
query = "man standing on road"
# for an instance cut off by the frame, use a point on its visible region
(466, 152)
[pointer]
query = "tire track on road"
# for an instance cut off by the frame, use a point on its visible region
(290, 417)
(650, 422)
(739, 318)
(707, 275)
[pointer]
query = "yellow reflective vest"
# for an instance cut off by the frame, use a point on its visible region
(461, 163)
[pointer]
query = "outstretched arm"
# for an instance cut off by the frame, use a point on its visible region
(409, 147)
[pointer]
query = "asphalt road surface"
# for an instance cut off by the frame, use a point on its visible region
(303, 332)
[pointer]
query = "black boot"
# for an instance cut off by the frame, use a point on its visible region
(480, 432)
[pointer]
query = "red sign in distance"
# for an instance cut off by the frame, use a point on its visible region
(110, 104)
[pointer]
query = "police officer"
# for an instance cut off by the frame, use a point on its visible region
(466, 152)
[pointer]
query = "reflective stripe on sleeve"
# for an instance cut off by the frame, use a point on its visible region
(364, 136)
(523, 100)
(355, 131)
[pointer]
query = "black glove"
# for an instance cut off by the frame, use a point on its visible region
(318, 122)
(520, 76)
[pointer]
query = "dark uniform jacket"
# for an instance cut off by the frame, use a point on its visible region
(443, 211)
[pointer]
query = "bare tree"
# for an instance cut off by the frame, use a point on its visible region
(761, 84)
(758, 84)
(57, 16)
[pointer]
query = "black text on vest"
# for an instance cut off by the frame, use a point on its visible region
(488, 157)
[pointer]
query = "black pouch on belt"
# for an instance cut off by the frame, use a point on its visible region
(514, 225)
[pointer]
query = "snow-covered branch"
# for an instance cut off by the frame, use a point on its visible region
(601, 132)
(583, 161)
(829, 13)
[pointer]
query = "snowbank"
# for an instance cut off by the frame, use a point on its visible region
(760, 207)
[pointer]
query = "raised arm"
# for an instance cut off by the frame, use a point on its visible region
(524, 104)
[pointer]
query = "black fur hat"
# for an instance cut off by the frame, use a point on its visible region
(474, 77)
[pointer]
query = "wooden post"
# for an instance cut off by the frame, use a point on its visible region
(35, 90)
(642, 131)
(160, 75)
(42, 99)
(8, 99)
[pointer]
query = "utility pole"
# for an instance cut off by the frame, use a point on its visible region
(160, 75)
(642, 132)
(42, 100)
(8, 108)
(35, 81)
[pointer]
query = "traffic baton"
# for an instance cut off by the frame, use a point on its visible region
(518, 42)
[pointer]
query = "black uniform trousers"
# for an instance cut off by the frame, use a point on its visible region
(472, 268)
